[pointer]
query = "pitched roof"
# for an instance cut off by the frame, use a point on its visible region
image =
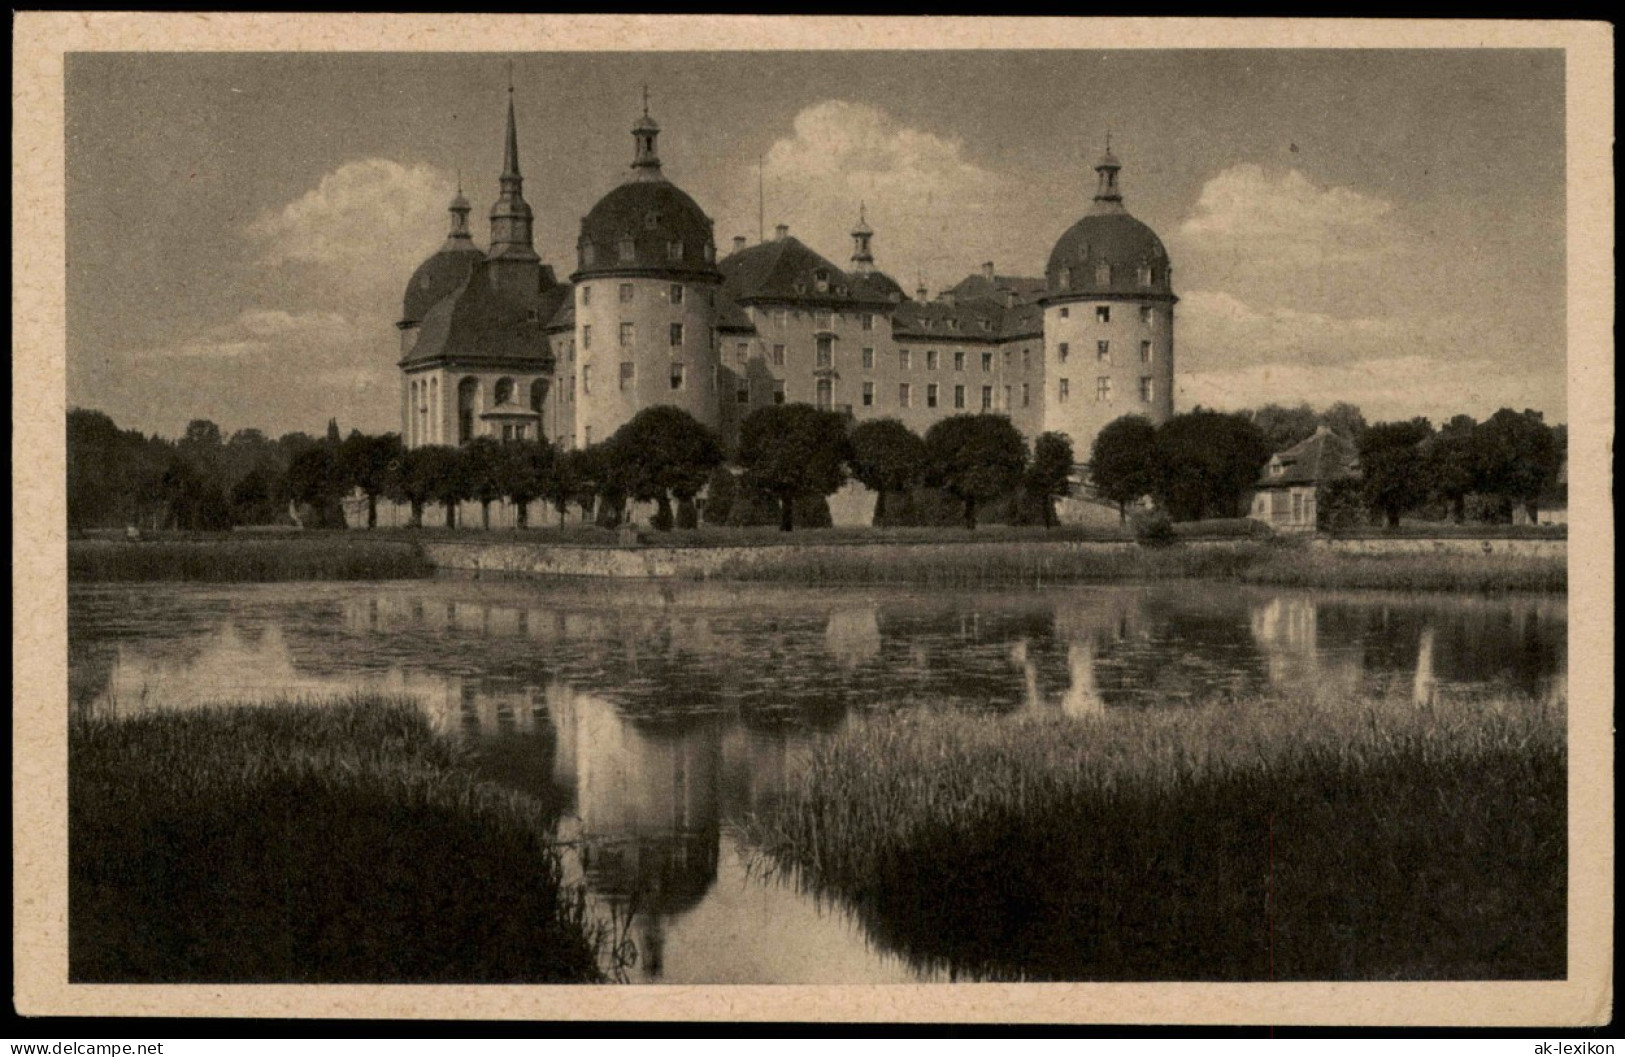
(998, 288)
(786, 269)
(1321, 458)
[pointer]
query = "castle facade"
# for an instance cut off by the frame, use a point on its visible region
(494, 343)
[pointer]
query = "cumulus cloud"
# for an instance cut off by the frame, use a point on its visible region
(1384, 389)
(934, 208)
(365, 221)
(1219, 325)
(1250, 211)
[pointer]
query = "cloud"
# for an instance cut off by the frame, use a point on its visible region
(933, 207)
(1247, 211)
(1384, 389)
(1220, 326)
(263, 331)
(363, 227)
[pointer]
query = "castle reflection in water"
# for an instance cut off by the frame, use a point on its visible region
(656, 720)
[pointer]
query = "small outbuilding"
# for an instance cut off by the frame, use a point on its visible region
(1286, 495)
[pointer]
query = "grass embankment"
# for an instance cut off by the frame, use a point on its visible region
(304, 842)
(1289, 840)
(333, 556)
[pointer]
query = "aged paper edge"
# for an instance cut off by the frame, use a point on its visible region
(40, 41)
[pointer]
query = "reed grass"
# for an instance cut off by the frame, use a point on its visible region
(333, 841)
(1484, 573)
(319, 557)
(1287, 839)
(977, 564)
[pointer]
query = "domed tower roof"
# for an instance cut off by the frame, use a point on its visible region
(648, 225)
(1108, 251)
(444, 272)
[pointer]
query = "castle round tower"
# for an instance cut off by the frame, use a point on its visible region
(645, 301)
(1108, 320)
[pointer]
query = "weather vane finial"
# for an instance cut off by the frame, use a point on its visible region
(645, 100)
(459, 179)
(862, 219)
(510, 77)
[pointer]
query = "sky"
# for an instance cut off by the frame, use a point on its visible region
(1381, 227)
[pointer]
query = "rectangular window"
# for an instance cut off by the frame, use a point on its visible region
(1066, 313)
(507, 432)
(903, 357)
(825, 394)
(868, 321)
(931, 395)
(1103, 351)
(1147, 317)
(868, 358)
(1064, 391)
(959, 397)
(778, 355)
(987, 362)
(1009, 397)
(1026, 359)
(676, 376)
(902, 394)
(628, 335)
(826, 352)
(743, 395)
(742, 353)
(677, 335)
(959, 361)
(586, 436)
(987, 398)
(626, 293)
(931, 359)
(1008, 359)
(1145, 352)
(586, 295)
(1147, 390)
(778, 392)
(676, 294)
(868, 394)
(628, 373)
(1026, 395)
(586, 336)
(674, 252)
(781, 318)
(821, 320)
(586, 378)
(1061, 351)
(1103, 314)
(1103, 389)
(628, 249)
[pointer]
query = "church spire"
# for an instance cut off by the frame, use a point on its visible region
(511, 217)
(646, 161)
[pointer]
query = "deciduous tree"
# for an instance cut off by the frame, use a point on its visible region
(1050, 475)
(793, 450)
(1207, 461)
(887, 456)
(1392, 467)
(664, 453)
(1123, 462)
(975, 458)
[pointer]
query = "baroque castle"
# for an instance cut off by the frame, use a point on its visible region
(494, 343)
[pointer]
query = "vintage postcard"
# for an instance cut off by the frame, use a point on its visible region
(1071, 520)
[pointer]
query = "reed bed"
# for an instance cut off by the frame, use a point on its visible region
(322, 557)
(1484, 573)
(976, 564)
(334, 841)
(1286, 839)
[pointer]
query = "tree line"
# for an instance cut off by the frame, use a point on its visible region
(1205, 463)
(789, 458)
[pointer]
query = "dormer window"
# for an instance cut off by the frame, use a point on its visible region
(821, 281)
(1147, 275)
(1103, 274)
(628, 248)
(710, 252)
(588, 254)
(674, 250)
(1066, 278)
(987, 324)
(651, 220)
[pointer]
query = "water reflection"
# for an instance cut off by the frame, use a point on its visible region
(659, 718)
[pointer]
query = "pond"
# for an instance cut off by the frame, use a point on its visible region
(663, 714)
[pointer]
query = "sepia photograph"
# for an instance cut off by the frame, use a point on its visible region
(1018, 511)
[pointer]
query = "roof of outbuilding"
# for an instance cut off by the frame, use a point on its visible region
(480, 321)
(1321, 458)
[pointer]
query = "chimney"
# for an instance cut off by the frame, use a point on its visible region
(1009, 299)
(739, 243)
(921, 293)
(781, 232)
(987, 270)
